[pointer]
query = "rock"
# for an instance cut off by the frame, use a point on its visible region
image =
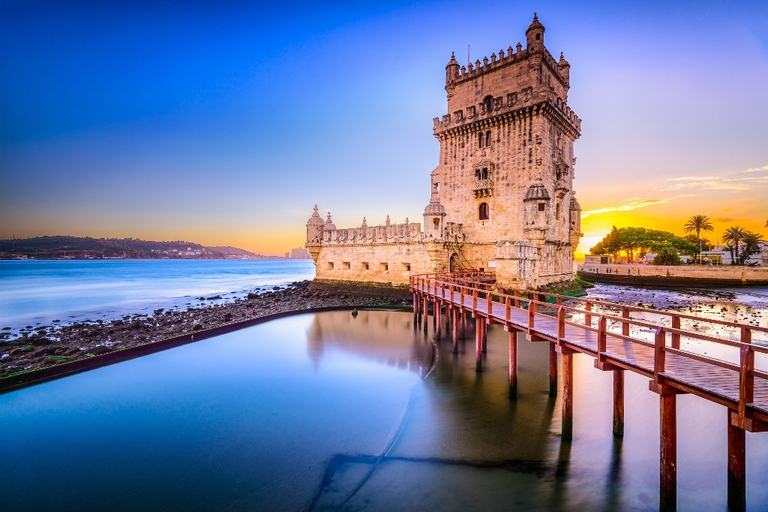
(98, 350)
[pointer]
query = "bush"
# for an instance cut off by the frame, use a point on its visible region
(667, 257)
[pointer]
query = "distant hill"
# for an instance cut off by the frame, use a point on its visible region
(73, 247)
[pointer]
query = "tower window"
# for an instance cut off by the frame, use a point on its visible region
(436, 222)
(483, 211)
(557, 211)
(487, 139)
(480, 140)
(542, 206)
(538, 37)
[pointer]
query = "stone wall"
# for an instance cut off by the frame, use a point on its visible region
(659, 275)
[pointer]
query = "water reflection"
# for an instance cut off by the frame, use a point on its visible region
(328, 411)
(376, 336)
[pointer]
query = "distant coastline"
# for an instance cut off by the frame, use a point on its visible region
(87, 248)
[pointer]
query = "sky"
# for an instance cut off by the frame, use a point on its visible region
(224, 123)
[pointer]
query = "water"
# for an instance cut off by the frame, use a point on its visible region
(317, 411)
(38, 292)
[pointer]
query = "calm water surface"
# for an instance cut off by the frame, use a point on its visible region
(39, 291)
(328, 411)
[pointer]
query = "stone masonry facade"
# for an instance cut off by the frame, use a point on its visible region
(502, 194)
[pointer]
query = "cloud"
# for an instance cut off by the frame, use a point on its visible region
(633, 204)
(738, 181)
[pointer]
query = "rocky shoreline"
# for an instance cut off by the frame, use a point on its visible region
(55, 344)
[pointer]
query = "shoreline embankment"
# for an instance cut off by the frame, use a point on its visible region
(690, 276)
(55, 351)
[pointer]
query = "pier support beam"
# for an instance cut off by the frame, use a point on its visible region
(668, 460)
(512, 364)
(618, 402)
(737, 481)
(463, 324)
(479, 327)
(552, 369)
(486, 323)
(438, 319)
(567, 393)
(455, 330)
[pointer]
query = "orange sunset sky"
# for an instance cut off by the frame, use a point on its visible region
(225, 124)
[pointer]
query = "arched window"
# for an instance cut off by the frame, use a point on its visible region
(557, 211)
(487, 139)
(480, 140)
(483, 211)
(484, 174)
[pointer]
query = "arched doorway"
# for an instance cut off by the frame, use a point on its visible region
(455, 263)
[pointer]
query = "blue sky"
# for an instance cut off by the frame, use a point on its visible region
(224, 123)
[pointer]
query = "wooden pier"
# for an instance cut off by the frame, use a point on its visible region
(675, 351)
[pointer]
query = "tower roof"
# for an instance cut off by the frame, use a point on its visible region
(537, 192)
(535, 24)
(315, 218)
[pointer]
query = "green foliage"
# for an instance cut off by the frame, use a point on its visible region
(742, 243)
(637, 241)
(667, 256)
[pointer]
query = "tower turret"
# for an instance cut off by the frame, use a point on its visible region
(314, 228)
(535, 34)
(564, 68)
(451, 70)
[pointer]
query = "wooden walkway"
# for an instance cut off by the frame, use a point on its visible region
(677, 352)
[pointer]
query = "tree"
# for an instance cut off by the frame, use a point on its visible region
(697, 224)
(667, 256)
(751, 245)
(733, 236)
(641, 240)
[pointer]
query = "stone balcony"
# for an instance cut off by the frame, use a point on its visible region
(482, 188)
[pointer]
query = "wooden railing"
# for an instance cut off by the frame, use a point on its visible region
(665, 329)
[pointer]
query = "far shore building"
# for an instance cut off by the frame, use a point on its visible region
(501, 197)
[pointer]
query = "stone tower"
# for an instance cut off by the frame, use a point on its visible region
(506, 161)
(501, 197)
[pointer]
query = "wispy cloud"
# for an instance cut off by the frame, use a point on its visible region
(632, 204)
(737, 181)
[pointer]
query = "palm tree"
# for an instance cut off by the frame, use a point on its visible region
(733, 236)
(751, 245)
(697, 224)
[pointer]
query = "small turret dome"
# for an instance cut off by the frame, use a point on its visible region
(329, 225)
(434, 208)
(537, 192)
(452, 70)
(315, 219)
(535, 33)
(575, 204)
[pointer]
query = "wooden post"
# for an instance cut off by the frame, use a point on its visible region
(553, 369)
(507, 308)
(567, 393)
(737, 481)
(474, 299)
(618, 402)
(517, 299)
(659, 354)
(602, 338)
(625, 325)
(479, 321)
(486, 323)
(675, 336)
(512, 364)
(668, 460)
(463, 324)
(438, 319)
(587, 316)
(455, 330)
(531, 311)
